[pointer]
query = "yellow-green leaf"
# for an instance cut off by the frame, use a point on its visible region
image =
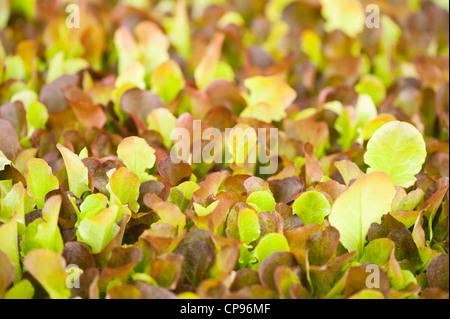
(345, 15)
(49, 268)
(40, 179)
(272, 90)
(137, 155)
(124, 191)
(77, 173)
(398, 149)
(162, 121)
(364, 203)
(8, 244)
(97, 231)
(179, 33)
(206, 70)
(44, 233)
(248, 224)
(22, 290)
(13, 202)
(167, 80)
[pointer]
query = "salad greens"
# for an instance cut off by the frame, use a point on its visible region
(289, 149)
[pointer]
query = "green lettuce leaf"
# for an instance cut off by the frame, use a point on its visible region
(364, 203)
(49, 268)
(269, 244)
(312, 207)
(40, 179)
(97, 231)
(398, 149)
(44, 233)
(76, 171)
(9, 245)
(137, 155)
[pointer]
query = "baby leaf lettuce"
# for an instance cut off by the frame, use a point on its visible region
(269, 244)
(248, 224)
(76, 171)
(270, 95)
(8, 245)
(44, 233)
(364, 203)
(6, 273)
(91, 206)
(124, 191)
(205, 72)
(97, 231)
(162, 121)
(40, 179)
(87, 178)
(179, 29)
(49, 268)
(167, 80)
(312, 207)
(22, 290)
(261, 201)
(137, 155)
(398, 149)
(13, 202)
(346, 15)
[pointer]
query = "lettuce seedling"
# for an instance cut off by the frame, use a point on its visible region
(98, 230)
(137, 155)
(313, 137)
(77, 173)
(261, 201)
(312, 207)
(40, 180)
(364, 203)
(398, 149)
(49, 268)
(269, 244)
(44, 233)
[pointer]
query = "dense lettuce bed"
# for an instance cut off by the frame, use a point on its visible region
(312, 137)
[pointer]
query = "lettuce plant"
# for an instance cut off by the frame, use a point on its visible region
(224, 149)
